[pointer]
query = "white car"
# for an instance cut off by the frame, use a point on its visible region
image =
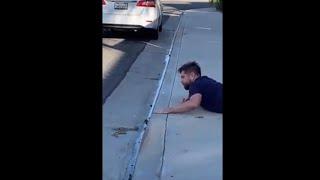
(133, 15)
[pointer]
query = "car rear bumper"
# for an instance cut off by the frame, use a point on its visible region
(130, 22)
(122, 26)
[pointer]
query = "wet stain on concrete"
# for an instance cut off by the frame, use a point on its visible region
(123, 130)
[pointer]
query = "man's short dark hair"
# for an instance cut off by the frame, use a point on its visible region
(190, 67)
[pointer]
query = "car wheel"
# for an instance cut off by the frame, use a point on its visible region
(107, 32)
(155, 34)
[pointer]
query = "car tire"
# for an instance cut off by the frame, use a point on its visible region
(107, 32)
(155, 34)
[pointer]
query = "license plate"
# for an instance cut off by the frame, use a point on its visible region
(120, 6)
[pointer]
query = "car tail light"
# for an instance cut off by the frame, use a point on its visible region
(146, 3)
(103, 2)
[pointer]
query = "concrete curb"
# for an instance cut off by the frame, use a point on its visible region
(132, 163)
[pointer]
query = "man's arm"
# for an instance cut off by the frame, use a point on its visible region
(186, 106)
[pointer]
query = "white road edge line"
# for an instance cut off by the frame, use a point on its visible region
(132, 163)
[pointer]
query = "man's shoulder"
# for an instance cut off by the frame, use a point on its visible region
(205, 79)
(199, 83)
(204, 82)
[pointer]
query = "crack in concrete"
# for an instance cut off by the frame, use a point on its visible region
(153, 78)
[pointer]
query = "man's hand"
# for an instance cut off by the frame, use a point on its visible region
(185, 99)
(187, 105)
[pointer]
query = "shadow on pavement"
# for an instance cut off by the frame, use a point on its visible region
(131, 46)
(128, 35)
(173, 6)
(187, 5)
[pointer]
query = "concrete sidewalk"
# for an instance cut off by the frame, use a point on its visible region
(186, 146)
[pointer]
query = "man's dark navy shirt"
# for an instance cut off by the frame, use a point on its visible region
(211, 92)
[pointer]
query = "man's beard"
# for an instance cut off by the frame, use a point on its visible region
(186, 87)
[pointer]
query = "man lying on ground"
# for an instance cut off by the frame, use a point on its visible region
(203, 91)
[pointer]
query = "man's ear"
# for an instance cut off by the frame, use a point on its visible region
(193, 75)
